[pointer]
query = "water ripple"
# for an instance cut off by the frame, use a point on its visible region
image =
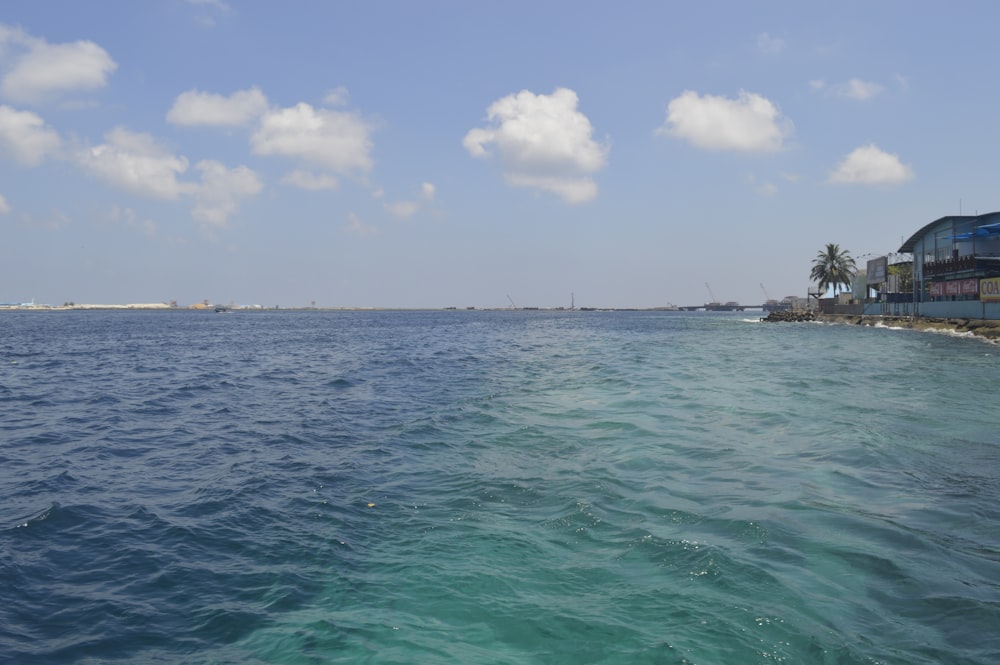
(503, 487)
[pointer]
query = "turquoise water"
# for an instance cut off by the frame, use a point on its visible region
(494, 487)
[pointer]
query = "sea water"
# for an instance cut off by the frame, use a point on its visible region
(494, 487)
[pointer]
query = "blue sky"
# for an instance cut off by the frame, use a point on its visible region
(434, 154)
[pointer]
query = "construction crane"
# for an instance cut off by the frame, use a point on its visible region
(512, 305)
(767, 296)
(714, 301)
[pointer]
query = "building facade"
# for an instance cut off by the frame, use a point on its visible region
(956, 267)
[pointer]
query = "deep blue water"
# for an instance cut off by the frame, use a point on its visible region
(494, 487)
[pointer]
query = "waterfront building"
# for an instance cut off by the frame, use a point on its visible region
(956, 267)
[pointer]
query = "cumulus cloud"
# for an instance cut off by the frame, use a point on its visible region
(311, 181)
(41, 70)
(543, 142)
(221, 190)
(202, 108)
(749, 123)
(337, 140)
(406, 209)
(868, 165)
(25, 138)
(136, 163)
(4, 206)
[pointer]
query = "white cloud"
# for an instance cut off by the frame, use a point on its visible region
(868, 165)
(337, 140)
(428, 190)
(136, 163)
(4, 206)
(44, 70)
(25, 138)
(769, 45)
(358, 227)
(202, 108)
(543, 142)
(218, 196)
(311, 181)
(750, 123)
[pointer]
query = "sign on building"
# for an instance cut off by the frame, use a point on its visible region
(955, 287)
(877, 270)
(989, 289)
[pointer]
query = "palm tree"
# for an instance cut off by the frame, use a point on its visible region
(833, 267)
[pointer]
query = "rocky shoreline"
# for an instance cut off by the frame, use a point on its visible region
(986, 329)
(791, 316)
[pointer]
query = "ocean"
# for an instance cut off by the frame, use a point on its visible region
(494, 487)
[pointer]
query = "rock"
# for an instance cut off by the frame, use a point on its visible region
(789, 315)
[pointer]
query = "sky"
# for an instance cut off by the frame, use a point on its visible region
(425, 154)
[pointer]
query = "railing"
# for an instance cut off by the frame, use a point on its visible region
(948, 266)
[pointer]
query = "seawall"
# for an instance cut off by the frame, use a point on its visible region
(987, 329)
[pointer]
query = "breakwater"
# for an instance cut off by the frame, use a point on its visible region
(789, 316)
(984, 328)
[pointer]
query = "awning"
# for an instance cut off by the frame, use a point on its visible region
(984, 231)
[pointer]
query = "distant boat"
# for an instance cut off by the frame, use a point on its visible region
(221, 308)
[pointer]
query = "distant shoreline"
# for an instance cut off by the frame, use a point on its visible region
(236, 308)
(981, 328)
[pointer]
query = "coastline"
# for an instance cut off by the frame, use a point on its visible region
(986, 329)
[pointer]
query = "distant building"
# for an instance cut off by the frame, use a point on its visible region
(956, 267)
